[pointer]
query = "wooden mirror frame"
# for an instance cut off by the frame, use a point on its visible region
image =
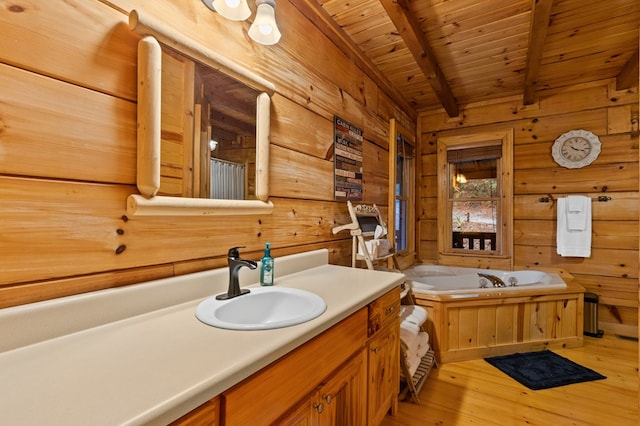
(147, 203)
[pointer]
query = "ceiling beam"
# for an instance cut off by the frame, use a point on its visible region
(325, 23)
(540, 15)
(409, 29)
(628, 77)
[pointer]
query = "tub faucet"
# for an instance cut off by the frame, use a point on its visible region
(235, 263)
(497, 282)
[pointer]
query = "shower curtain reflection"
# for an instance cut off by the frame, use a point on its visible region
(227, 180)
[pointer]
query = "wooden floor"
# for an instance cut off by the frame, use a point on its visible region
(476, 393)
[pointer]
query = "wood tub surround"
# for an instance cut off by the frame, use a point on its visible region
(500, 323)
(138, 355)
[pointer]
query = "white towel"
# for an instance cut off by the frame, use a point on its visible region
(417, 344)
(422, 344)
(408, 331)
(573, 242)
(413, 364)
(413, 361)
(413, 314)
(577, 212)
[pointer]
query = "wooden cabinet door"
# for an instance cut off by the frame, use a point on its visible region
(384, 372)
(273, 391)
(304, 414)
(341, 400)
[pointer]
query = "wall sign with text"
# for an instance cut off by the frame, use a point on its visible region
(348, 160)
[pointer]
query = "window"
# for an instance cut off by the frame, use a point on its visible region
(474, 202)
(475, 197)
(402, 191)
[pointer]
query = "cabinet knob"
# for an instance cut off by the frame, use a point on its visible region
(375, 350)
(389, 309)
(328, 398)
(319, 407)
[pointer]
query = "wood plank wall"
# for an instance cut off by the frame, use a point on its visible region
(68, 147)
(612, 270)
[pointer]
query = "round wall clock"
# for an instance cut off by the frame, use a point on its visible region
(576, 148)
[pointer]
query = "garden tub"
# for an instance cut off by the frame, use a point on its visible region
(469, 318)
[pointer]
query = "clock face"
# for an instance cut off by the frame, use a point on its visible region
(575, 149)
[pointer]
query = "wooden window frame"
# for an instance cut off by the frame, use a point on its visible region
(405, 257)
(447, 255)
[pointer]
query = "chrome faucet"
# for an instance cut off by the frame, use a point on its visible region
(235, 263)
(497, 282)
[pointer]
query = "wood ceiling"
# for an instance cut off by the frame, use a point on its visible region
(447, 53)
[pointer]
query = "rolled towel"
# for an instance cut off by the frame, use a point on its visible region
(413, 314)
(408, 331)
(413, 363)
(418, 344)
(410, 327)
(423, 345)
(411, 341)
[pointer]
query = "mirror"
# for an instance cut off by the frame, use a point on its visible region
(208, 132)
(203, 129)
(228, 136)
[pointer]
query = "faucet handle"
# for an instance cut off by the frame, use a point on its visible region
(234, 253)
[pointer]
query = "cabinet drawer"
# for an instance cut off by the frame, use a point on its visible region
(382, 310)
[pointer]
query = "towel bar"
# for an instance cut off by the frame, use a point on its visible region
(601, 198)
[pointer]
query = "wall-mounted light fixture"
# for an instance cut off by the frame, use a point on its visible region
(236, 10)
(263, 30)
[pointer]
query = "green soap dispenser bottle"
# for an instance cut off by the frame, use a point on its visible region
(266, 270)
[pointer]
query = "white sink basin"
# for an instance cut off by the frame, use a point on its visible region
(264, 308)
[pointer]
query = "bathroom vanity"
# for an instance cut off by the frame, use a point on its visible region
(138, 355)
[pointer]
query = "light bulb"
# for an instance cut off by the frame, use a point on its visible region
(235, 10)
(264, 29)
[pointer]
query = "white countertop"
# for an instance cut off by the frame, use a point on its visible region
(152, 364)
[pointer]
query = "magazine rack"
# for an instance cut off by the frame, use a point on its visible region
(368, 233)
